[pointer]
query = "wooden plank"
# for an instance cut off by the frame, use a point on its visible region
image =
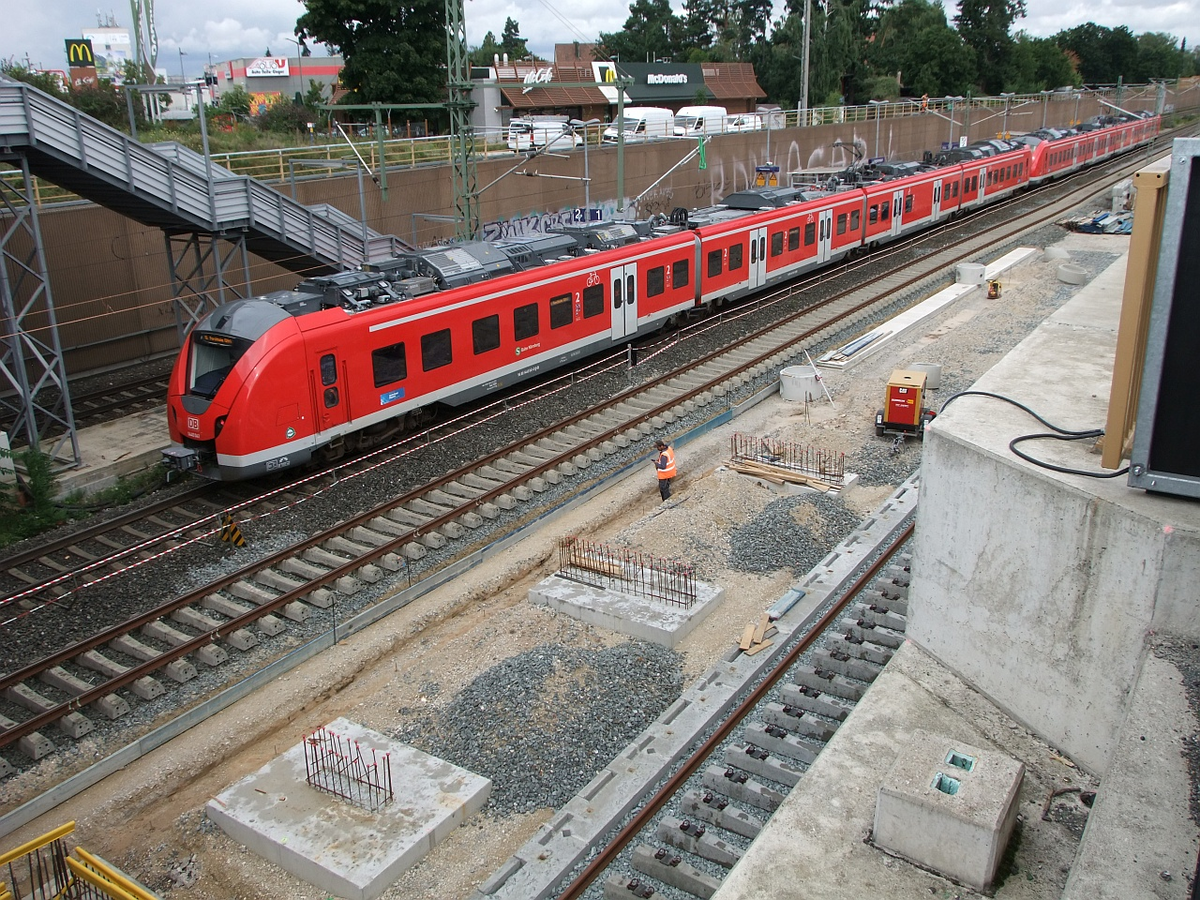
(759, 647)
(747, 637)
(763, 621)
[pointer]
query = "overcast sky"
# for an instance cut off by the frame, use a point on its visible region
(229, 29)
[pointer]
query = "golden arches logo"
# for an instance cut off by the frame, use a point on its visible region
(79, 52)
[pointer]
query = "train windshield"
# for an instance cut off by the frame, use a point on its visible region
(213, 357)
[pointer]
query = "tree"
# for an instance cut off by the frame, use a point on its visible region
(235, 102)
(984, 26)
(914, 40)
(1158, 56)
(511, 41)
(45, 82)
(651, 32)
(103, 102)
(394, 52)
(485, 54)
(1105, 54)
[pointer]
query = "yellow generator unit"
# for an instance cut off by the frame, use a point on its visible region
(903, 410)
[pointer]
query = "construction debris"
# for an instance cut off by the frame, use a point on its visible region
(780, 475)
(756, 635)
(1101, 223)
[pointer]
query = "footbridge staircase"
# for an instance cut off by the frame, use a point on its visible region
(211, 220)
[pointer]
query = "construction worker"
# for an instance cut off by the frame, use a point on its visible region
(665, 466)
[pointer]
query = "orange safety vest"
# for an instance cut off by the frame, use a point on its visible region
(667, 471)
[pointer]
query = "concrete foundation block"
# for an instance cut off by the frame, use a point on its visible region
(148, 688)
(346, 585)
(321, 598)
(212, 655)
(296, 612)
(949, 807)
(179, 670)
(391, 562)
(36, 745)
(243, 639)
(74, 725)
(339, 847)
(371, 574)
(693, 837)
(433, 540)
(224, 606)
(451, 531)
(670, 869)
(112, 706)
(717, 811)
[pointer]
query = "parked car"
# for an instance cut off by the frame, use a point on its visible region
(744, 122)
(641, 123)
(536, 133)
(693, 121)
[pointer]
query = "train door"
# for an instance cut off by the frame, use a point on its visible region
(330, 399)
(935, 212)
(824, 234)
(624, 299)
(897, 212)
(758, 257)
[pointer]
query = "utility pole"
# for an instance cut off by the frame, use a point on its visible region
(804, 78)
(462, 139)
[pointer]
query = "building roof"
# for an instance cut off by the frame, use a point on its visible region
(730, 81)
(523, 95)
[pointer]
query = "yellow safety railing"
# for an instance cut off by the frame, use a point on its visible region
(44, 869)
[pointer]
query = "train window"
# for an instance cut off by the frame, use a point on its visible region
(328, 369)
(736, 252)
(777, 243)
(485, 334)
(331, 397)
(714, 263)
(560, 311)
(793, 238)
(908, 203)
(810, 233)
(656, 281)
(617, 292)
(885, 210)
(974, 182)
(435, 350)
(680, 276)
(525, 321)
(593, 301)
(954, 191)
(841, 223)
(873, 215)
(389, 365)
(855, 215)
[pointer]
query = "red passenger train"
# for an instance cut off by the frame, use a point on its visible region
(345, 362)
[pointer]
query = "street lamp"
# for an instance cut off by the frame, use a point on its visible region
(299, 66)
(1007, 97)
(951, 101)
(587, 181)
(1045, 104)
(877, 104)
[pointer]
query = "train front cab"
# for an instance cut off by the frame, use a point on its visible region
(230, 415)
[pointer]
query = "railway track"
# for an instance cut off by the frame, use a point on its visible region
(395, 551)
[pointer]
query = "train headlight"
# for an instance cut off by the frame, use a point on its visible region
(218, 425)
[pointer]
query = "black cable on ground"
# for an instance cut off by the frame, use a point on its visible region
(1057, 434)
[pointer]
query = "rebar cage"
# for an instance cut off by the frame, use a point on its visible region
(628, 570)
(827, 465)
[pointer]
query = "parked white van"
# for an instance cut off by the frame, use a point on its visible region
(537, 132)
(693, 121)
(642, 123)
(744, 122)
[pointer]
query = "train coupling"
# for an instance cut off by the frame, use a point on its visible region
(180, 459)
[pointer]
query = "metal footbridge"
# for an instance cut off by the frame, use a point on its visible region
(211, 220)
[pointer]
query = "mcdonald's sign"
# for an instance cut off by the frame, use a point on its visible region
(79, 53)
